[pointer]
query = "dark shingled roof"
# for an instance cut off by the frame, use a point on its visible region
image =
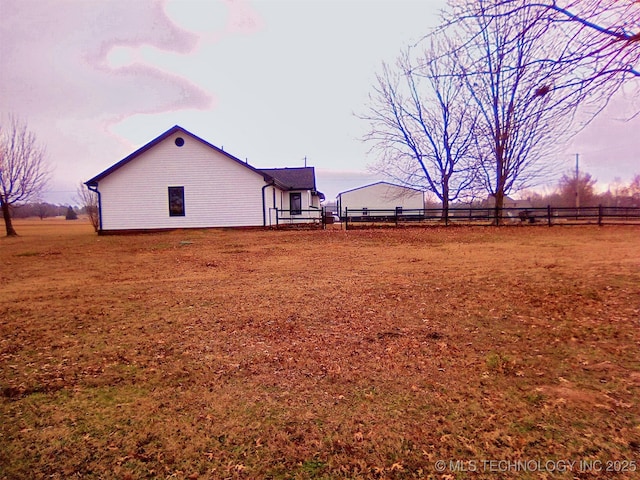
(295, 178)
(298, 178)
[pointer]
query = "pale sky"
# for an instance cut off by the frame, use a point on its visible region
(271, 81)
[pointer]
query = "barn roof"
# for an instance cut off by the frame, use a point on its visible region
(381, 183)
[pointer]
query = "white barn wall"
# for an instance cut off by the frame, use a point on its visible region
(381, 196)
(218, 191)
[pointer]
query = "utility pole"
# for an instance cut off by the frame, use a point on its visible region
(577, 182)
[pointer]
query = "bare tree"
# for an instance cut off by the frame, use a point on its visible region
(89, 201)
(534, 68)
(536, 72)
(521, 120)
(617, 195)
(23, 167)
(421, 123)
(620, 194)
(577, 191)
(603, 36)
(42, 209)
(594, 45)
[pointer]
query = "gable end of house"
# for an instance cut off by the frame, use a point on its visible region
(93, 182)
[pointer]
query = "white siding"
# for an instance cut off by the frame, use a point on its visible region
(218, 191)
(309, 210)
(273, 198)
(280, 199)
(381, 196)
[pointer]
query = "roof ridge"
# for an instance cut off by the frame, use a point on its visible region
(160, 138)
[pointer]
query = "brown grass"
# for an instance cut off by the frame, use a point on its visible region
(317, 354)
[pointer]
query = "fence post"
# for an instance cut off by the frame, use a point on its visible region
(549, 215)
(346, 218)
(277, 217)
(600, 215)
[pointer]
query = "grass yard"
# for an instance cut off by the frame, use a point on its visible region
(320, 354)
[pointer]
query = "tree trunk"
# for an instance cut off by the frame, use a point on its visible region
(7, 218)
(445, 208)
(499, 203)
(500, 183)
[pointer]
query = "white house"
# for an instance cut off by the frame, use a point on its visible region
(179, 180)
(381, 196)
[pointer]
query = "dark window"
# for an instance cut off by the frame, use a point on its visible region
(365, 211)
(176, 201)
(179, 141)
(398, 210)
(295, 203)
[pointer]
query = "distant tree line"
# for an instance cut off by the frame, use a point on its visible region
(44, 210)
(570, 192)
(582, 192)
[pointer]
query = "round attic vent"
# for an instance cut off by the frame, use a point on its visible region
(179, 141)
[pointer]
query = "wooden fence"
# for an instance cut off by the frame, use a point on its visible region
(546, 216)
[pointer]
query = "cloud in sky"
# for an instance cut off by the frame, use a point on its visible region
(56, 74)
(56, 56)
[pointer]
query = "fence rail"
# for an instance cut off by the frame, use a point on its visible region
(549, 216)
(279, 217)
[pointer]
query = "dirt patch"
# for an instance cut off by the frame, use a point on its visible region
(558, 394)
